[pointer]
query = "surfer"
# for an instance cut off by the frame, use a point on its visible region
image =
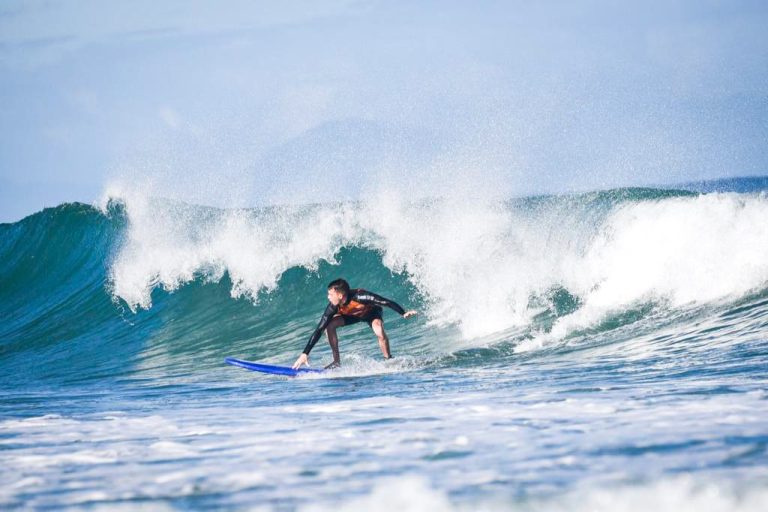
(346, 307)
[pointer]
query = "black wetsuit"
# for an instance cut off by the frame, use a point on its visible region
(361, 306)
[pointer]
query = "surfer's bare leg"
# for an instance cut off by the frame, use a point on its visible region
(378, 328)
(333, 339)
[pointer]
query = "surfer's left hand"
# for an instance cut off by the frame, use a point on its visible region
(303, 359)
(409, 313)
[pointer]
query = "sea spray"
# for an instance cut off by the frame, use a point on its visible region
(482, 266)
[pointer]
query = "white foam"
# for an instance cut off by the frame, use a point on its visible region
(679, 494)
(169, 244)
(355, 365)
(409, 494)
(478, 263)
(681, 250)
(326, 452)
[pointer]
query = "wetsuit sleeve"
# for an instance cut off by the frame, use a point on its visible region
(366, 297)
(330, 310)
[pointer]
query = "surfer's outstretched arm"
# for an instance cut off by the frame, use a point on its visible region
(367, 297)
(330, 310)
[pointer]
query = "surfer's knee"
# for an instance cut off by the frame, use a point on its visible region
(378, 329)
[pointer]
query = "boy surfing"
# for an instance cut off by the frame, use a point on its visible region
(346, 307)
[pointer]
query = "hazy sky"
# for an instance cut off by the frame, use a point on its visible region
(246, 103)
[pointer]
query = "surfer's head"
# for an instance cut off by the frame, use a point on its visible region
(337, 290)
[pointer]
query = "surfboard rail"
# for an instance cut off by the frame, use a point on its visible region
(270, 368)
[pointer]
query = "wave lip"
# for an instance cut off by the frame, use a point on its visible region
(608, 250)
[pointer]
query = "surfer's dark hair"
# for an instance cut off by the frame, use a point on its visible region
(340, 285)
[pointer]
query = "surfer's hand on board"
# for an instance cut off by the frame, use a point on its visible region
(303, 359)
(409, 313)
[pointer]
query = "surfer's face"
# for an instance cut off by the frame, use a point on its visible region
(335, 297)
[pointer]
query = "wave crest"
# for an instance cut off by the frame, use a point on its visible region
(484, 266)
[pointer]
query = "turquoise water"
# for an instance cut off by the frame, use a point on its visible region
(603, 351)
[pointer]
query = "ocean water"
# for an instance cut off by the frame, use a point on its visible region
(601, 351)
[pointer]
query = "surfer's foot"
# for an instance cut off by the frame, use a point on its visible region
(333, 365)
(388, 359)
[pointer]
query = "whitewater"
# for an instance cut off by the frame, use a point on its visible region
(605, 350)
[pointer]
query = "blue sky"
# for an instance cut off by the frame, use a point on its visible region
(242, 103)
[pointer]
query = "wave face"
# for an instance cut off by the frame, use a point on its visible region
(137, 284)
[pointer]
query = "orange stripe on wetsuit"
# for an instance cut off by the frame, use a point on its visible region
(354, 308)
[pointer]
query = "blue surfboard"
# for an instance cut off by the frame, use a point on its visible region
(268, 368)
